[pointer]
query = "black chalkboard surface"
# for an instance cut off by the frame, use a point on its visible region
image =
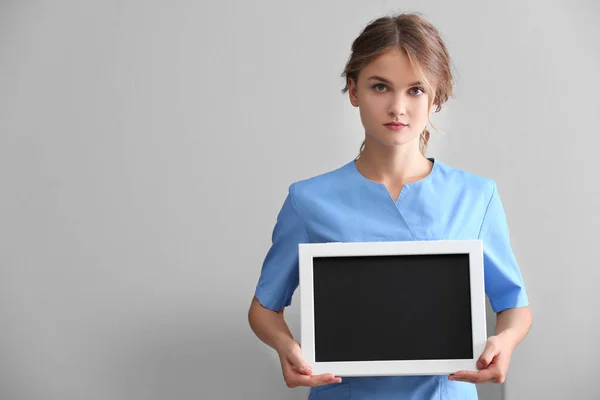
(406, 307)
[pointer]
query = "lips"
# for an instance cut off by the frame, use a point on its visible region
(395, 126)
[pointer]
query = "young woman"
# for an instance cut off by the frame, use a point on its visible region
(398, 75)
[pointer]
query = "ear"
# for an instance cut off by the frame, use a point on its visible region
(352, 92)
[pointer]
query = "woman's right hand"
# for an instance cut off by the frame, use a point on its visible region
(296, 372)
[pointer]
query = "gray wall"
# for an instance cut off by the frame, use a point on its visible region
(145, 150)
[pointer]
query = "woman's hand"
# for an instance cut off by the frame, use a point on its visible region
(296, 372)
(493, 363)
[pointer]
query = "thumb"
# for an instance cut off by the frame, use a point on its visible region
(487, 356)
(295, 358)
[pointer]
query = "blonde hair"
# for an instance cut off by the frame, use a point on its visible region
(424, 47)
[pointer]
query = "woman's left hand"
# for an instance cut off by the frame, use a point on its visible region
(492, 364)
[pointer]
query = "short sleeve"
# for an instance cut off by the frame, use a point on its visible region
(279, 273)
(504, 284)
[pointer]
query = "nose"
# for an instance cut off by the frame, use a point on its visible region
(397, 104)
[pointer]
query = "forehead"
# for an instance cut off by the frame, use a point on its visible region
(392, 65)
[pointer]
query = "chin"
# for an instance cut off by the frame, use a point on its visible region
(392, 139)
(399, 139)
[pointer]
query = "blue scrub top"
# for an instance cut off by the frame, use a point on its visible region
(344, 206)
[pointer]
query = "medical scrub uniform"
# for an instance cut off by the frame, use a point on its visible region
(344, 206)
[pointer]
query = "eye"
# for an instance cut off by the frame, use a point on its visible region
(419, 89)
(379, 85)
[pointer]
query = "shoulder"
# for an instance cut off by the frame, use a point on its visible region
(464, 181)
(321, 185)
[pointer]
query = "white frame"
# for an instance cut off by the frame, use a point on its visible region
(400, 367)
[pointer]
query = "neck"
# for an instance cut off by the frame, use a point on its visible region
(396, 165)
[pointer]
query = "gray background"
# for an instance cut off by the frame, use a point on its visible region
(146, 148)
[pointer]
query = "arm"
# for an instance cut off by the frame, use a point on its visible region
(278, 280)
(511, 327)
(270, 327)
(506, 291)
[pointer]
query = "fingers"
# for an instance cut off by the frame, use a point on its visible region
(323, 379)
(297, 372)
(305, 369)
(294, 379)
(488, 375)
(488, 355)
(294, 357)
(492, 365)
(461, 379)
(291, 357)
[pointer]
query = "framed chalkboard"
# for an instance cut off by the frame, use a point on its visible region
(392, 308)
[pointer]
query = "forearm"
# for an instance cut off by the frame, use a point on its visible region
(269, 326)
(513, 324)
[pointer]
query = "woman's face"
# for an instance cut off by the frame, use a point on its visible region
(388, 91)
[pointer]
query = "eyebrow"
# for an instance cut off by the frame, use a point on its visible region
(378, 78)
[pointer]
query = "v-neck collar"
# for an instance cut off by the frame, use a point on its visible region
(405, 187)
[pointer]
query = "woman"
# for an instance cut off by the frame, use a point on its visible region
(398, 75)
